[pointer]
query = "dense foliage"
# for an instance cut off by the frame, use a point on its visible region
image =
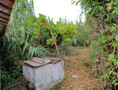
(63, 31)
(15, 42)
(82, 38)
(102, 22)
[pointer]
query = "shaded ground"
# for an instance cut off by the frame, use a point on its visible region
(79, 66)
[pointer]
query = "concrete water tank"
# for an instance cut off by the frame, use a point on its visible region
(43, 73)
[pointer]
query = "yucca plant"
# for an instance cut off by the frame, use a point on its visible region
(19, 39)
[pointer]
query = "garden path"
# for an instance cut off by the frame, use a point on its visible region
(79, 72)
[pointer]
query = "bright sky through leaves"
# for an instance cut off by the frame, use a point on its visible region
(58, 8)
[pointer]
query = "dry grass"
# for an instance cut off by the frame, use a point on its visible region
(79, 65)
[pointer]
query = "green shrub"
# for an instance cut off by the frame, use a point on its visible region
(102, 23)
(81, 36)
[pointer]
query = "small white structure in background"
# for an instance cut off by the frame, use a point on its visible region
(43, 73)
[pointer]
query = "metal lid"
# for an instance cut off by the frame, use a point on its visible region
(38, 62)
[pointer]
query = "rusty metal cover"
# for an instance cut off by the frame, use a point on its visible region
(38, 62)
(5, 11)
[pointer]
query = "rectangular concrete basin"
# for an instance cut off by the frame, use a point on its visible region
(43, 75)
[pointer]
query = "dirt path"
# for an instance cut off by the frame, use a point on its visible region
(79, 72)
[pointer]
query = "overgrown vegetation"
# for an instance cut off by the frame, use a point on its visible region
(21, 39)
(82, 38)
(102, 23)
